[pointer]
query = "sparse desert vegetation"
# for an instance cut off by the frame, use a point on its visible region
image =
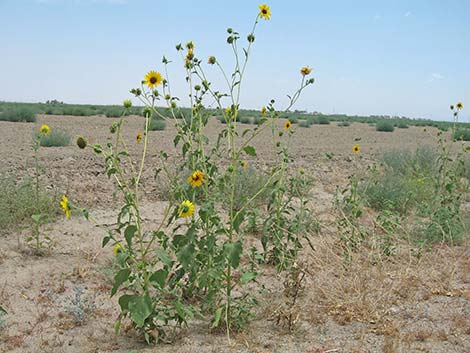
(196, 229)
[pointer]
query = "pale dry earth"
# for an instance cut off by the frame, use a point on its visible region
(400, 304)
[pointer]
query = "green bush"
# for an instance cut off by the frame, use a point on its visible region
(321, 120)
(157, 125)
(114, 112)
(19, 201)
(56, 138)
(245, 120)
(305, 123)
(384, 126)
(402, 125)
(462, 134)
(18, 115)
(344, 124)
(75, 111)
(406, 180)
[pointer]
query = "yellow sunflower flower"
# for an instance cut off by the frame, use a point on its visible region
(264, 111)
(287, 125)
(139, 137)
(196, 179)
(64, 203)
(264, 11)
(186, 209)
(117, 249)
(244, 164)
(153, 79)
(305, 71)
(45, 129)
(356, 148)
(459, 105)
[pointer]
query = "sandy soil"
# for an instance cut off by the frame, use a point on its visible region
(399, 305)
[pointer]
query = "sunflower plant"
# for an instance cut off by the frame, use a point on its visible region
(197, 261)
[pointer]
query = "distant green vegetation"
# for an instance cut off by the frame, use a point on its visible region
(18, 114)
(462, 134)
(384, 126)
(27, 112)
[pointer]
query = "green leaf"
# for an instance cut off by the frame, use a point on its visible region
(129, 234)
(105, 241)
(159, 278)
(2, 310)
(248, 277)
(124, 302)
(119, 279)
(233, 253)
(217, 316)
(36, 217)
(250, 150)
(185, 255)
(140, 309)
(238, 220)
(164, 257)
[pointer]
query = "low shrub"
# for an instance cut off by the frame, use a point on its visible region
(462, 134)
(19, 201)
(18, 115)
(402, 125)
(384, 126)
(157, 125)
(344, 124)
(56, 138)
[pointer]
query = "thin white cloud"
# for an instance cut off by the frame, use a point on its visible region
(435, 76)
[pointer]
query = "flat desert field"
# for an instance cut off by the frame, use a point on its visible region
(60, 301)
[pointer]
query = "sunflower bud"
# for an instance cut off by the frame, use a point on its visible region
(197, 88)
(113, 128)
(451, 107)
(164, 60)
(211, 60)
(230, 40)
(251, 38)
(167, 97)
(229, 30)
(97, 149)
(179, 47)
(173, 104)
(81, 142)
(190, 45)
(136, 92)
(127, 103)
(147, 112)
(310, 81)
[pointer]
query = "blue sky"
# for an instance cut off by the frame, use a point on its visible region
(369, 57)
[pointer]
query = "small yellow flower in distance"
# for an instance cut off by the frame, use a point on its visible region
(196, 179)
(139, 137)
(459, 105)
(264, 11)
(153, 79)
(64, 203)
(44, 129)
(287, 125)
(356, 148)
(117, 249)
(186, 209)
(305, 71)
(264, 111)
(244, 164)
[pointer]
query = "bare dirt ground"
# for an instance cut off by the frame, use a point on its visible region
(401, 304)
